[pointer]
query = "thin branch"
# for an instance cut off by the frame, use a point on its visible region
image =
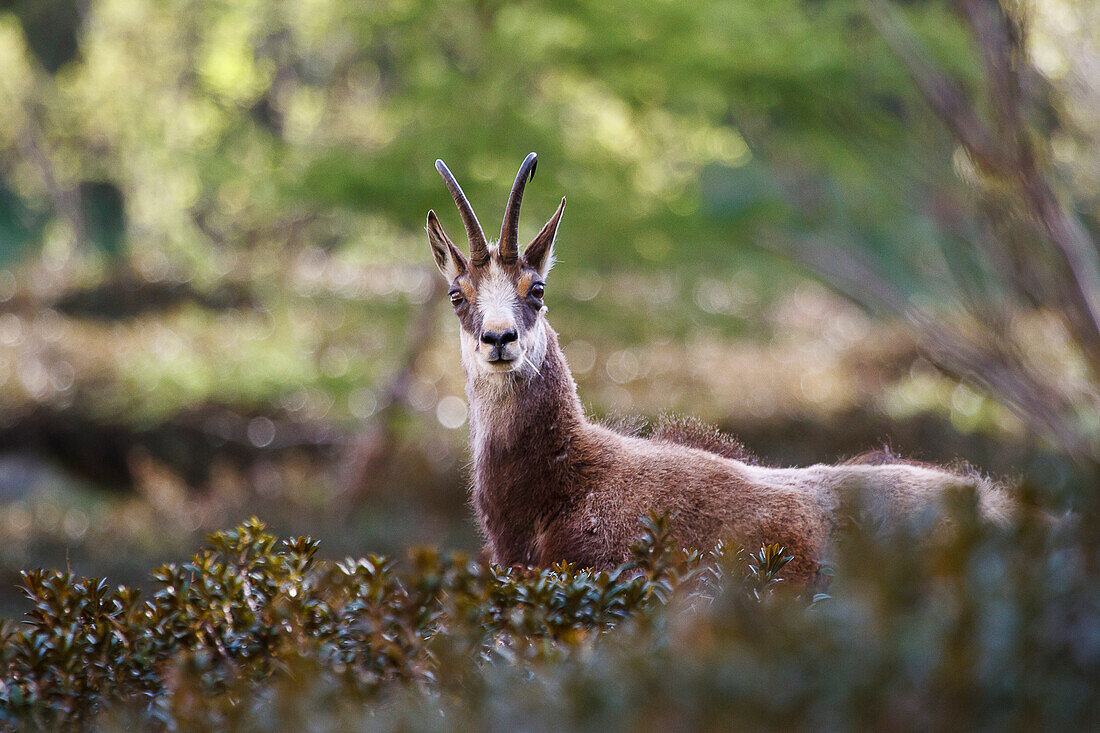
(1000, 45)
(847, 270)
(995, 365)
(939, 91)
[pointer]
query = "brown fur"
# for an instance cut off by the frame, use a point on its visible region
(695, 433)
(551, 485)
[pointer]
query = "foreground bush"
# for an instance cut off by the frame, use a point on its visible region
(976, 627)
(249, 606)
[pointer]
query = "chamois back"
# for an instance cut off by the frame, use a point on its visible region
(694, 433)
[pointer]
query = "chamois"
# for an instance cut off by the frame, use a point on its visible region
(551, 485)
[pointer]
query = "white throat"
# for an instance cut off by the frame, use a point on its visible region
(495, 397)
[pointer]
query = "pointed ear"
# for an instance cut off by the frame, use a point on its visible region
(450, 261)
(540, 253)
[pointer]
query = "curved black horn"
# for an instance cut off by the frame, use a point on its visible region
(479, 247)
(509, 228)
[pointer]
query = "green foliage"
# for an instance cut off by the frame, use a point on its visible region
(977, 626)
(243, 123)
(248, 605)
(285, 150)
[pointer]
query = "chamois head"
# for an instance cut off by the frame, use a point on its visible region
(497, 292)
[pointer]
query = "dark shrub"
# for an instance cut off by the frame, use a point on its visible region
(975, 628)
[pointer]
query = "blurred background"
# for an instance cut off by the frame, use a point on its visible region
(825, 226)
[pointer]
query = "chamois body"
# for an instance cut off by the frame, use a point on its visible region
(551, 485)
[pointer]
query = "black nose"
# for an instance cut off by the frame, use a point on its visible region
(498, 338)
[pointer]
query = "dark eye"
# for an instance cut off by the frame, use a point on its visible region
(456, 298)
(537, 290)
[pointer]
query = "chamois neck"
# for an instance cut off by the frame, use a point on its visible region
(521, 413)
(523, 441)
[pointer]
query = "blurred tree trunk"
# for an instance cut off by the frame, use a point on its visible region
(373, 449)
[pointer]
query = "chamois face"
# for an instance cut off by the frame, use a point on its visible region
(497, 294)
(500, 309)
